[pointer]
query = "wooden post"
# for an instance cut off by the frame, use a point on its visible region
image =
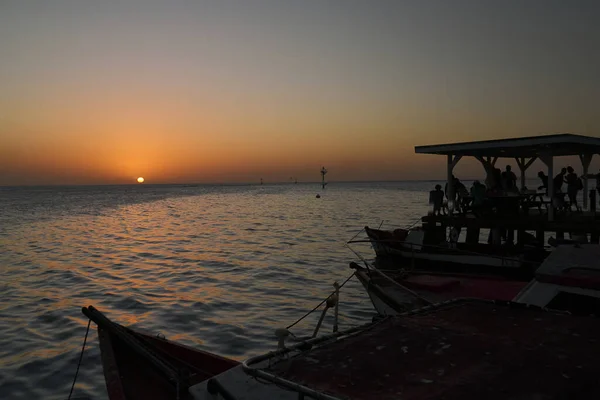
(540, 237)
(472, 235)
(450, 185)
(520, 235)
(523, 165)
(510, 236)
(548, 159)
(585, 163)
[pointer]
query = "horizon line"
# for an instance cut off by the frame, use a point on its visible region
(231, 183)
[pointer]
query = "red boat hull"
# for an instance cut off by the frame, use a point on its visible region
(130, 377)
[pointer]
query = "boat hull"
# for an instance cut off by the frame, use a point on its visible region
(393, 294)
(130, 376)
(482, 258)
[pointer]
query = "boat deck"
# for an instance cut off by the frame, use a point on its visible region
(460, 350)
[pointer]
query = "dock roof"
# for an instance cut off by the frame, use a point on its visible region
(533, 146)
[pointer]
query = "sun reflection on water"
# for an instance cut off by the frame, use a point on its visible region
(214, 267)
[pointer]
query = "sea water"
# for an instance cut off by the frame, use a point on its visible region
(217, 267)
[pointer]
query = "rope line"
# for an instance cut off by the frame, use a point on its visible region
(80, 358)
(320, 304)
(357, 233)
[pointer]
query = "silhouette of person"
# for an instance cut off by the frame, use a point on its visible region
(509, 179)
(436, 198)
(572, 187)
(544, 178)
(478, 193)
(460, 191)
(559, 180)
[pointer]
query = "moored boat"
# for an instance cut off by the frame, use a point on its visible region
(461, 349)
(141, 366)
(428, 248)
(514, 222)
(569, 279)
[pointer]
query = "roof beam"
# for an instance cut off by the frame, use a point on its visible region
(523, 165)
(527, 147)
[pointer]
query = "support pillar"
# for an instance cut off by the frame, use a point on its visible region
(452, 161)
(585, 163)
(488, 165)
(523, 165)
(548, 159)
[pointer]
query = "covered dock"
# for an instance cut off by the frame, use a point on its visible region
(525, 151)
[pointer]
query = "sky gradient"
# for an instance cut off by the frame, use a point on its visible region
(231, 91)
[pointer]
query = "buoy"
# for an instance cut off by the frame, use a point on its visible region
(318, 196)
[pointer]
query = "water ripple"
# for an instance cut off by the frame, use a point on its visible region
(216, 267)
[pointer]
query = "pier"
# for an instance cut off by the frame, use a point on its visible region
(518, 212)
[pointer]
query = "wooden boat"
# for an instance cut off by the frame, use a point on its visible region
(429, 249)
(462, 349)
(393, 292)
(140, 366)
(569, 279)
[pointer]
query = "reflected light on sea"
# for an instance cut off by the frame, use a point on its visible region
(215, 267)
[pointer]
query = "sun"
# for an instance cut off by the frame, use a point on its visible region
(140, 180)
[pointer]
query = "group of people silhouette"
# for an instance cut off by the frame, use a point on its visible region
(500, 183)
(574, 185)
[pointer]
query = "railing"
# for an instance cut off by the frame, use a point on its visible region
(248, 365)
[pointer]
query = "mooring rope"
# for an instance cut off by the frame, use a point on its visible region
(357, 233)
(80, 358)
(320, 304)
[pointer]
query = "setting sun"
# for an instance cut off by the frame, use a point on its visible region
(140, 180)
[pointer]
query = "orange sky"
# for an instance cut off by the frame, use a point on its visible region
(105, 93)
